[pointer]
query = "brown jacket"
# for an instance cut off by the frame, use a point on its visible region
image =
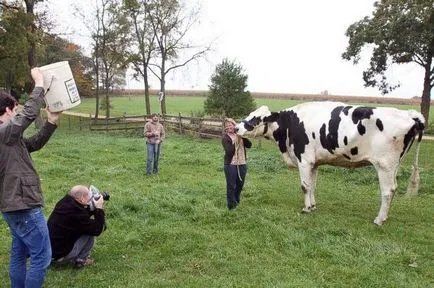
(19, 183)
(154, 132)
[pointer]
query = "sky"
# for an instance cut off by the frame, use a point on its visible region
(284, 46)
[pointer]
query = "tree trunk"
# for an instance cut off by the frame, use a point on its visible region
(147, 101)
(163, 83)
(426, 94)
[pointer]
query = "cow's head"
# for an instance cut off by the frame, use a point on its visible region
(256, 124)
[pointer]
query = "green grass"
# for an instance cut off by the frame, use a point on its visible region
(173, 230)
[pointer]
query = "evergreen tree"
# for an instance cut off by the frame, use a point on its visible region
(227, 95)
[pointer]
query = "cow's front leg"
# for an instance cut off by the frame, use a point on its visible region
(388, 186)
(308, 175)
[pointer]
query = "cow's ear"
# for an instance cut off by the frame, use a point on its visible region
(272, 118)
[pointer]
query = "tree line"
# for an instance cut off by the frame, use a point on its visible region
(148, 35)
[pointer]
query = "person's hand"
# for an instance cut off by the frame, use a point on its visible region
(38, 77)
(53, 116)
(100, 203)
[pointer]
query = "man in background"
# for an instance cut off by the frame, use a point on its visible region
(21, 199)
(154, 133)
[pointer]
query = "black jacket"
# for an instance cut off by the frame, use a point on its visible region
(229, 147)
(70, 220)
(19, 183)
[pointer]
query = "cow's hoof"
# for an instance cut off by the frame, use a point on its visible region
(313, 208)
(378, 222)
(306, 210)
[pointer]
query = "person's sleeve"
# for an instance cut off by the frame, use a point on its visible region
(41, 138)
(247, 143)
(13, 131)
(163, 133)
(228, 147)
(92, 226)
(31, 109)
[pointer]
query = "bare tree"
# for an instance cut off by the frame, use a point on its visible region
(144, 42)
(111, 42)
(171, 22)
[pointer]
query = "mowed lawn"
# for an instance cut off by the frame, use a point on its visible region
(173, 230)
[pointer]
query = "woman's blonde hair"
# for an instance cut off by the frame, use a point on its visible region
(230, 120)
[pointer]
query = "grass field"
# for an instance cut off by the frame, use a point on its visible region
(173, 230)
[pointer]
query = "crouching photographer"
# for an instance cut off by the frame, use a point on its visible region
(74, 223)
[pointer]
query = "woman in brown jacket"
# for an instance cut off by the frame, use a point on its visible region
(235, 165)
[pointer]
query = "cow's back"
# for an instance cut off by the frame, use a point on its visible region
(344, 135)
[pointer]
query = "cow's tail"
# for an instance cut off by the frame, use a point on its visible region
(419, 126)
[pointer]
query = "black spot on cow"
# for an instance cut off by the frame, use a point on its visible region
(291, 127)
(250, 125)
(346, 109)
(329, 140)
(379, 124)
(354, 151)
(345, 140)
(361, 128)
(359, 114)
(417, 128)
(313, 135)
(346, 156)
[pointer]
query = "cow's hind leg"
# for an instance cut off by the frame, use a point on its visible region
(388, 186)
(308, 175)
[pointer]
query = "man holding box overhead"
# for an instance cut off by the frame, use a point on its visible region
(21, 199)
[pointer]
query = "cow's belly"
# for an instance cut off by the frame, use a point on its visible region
(343, 162)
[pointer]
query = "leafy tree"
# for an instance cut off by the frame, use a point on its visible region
(400, 31)
(13, 48)
(227, 96)
(58, 49)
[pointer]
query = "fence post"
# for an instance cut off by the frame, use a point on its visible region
(69, 122)
(200, 126)
(180, 123)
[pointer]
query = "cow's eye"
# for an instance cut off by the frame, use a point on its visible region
(248, 125)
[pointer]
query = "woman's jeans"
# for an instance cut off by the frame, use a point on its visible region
(30, 238)
(234, 184)
(153, 155)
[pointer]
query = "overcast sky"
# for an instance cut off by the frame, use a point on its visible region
(284, 46)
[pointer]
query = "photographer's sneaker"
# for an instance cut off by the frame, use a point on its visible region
(82, 263)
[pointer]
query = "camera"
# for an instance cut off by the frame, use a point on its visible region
(96, 195)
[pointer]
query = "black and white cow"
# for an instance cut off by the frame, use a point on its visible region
(317, 133)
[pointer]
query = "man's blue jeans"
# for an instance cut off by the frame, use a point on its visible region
(29, 238)
(153, 156)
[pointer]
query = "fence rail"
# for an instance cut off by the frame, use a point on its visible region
(202, 127)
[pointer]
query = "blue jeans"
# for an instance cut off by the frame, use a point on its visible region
(29, 238)
(234, 184)
(153, 155)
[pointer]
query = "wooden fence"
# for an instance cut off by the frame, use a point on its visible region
(202, 127)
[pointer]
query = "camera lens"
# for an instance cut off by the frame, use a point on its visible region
(105, 196)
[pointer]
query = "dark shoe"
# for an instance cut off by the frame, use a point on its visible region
(81, 263)
(232, 206)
